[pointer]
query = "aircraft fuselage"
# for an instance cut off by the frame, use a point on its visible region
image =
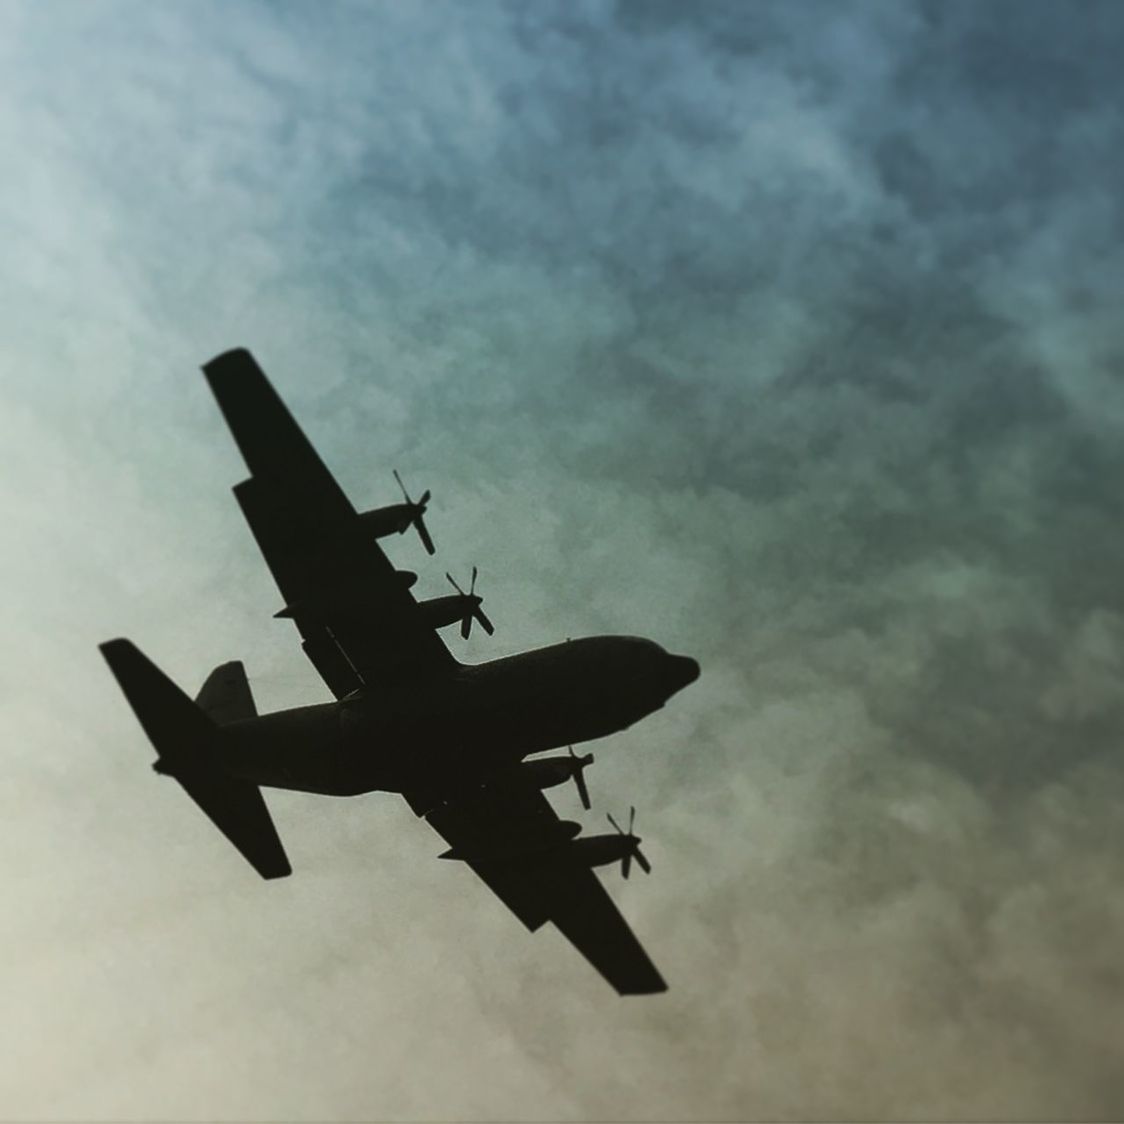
(440, 732)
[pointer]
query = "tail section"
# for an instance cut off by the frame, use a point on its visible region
(185, 737)
(226, 695)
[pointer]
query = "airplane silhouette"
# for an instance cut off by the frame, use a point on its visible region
(408, 718)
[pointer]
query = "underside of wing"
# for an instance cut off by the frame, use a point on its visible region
(488, 830)
(355, 614)
(590, 920)
(514, 841)
(274, 447)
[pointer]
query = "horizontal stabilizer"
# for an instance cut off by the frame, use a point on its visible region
(237, 808)
(179, 730)
(186, 742)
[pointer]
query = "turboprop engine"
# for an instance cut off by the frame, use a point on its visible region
(546, 772)
(459, 606)
(395, 519)
(599, 850)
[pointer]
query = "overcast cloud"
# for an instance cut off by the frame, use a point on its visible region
(785, 334)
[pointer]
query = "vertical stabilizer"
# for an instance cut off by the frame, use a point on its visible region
(226, 696)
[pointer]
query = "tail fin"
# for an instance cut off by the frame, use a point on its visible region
(226, 695)
(185, 739)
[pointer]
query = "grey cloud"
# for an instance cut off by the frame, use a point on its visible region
(783, 333)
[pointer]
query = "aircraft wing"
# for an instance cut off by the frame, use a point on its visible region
(357, 617)
(512, 838)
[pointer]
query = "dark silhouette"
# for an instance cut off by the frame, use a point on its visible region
(409, 718)
(395, 519)
(461, 606)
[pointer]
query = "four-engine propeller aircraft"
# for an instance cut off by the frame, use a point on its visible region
(408, 717)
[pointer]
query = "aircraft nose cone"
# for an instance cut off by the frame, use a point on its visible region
(686, 670)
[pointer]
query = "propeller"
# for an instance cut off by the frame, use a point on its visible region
(417, 513)
(580, 765)
(473, 611)
(634, 845)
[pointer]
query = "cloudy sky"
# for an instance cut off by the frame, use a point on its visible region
(786, 334)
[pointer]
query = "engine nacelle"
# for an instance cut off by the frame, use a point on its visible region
(548, 771)
(391, 520)
(563, 832)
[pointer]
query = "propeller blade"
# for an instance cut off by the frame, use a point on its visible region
(643, 863)
(423, 534)
(485, 624)
(631, 819)
(453, 583)
(472, 584)
(402, 486)
(626, 863)
(424, 499)
(609, 816)
(466, 625)
(583, 792)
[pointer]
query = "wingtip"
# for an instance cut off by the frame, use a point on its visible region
(235, 356)
(653, 988)
(118, 646)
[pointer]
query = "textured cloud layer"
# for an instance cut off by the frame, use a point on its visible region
(785, 334)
